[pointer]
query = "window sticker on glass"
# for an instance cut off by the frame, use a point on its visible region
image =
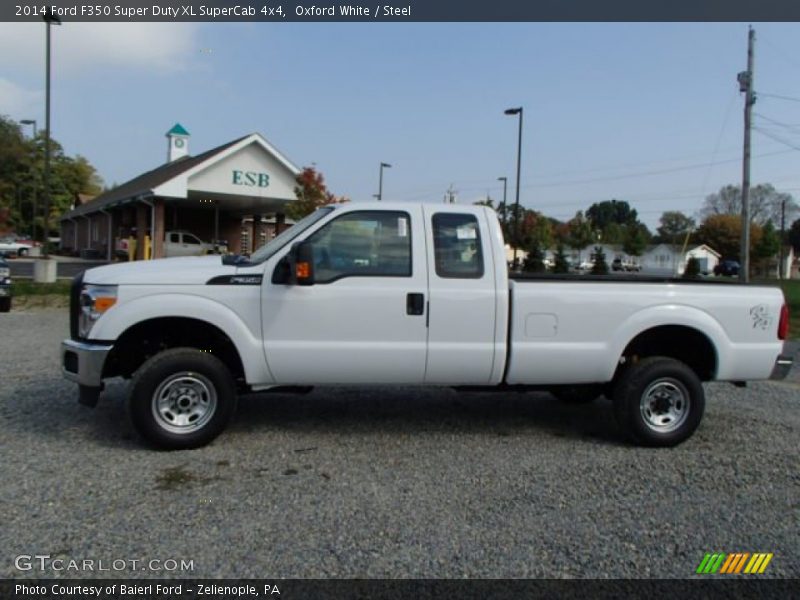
(466, 232)
(402, 227)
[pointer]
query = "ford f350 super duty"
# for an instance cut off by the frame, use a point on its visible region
(407, 294)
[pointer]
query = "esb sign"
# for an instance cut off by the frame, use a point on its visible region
(250, 179)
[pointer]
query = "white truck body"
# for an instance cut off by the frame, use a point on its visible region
(367, 326)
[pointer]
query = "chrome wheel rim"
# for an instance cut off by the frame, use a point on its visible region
(184, 402)
(665, 405)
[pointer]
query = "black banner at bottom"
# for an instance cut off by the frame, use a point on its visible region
(406, 589)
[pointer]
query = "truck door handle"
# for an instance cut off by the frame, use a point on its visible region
(415, 304)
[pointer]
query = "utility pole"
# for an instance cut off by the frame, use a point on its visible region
(783, 237)
(745, 79)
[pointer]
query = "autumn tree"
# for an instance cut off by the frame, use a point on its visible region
(311, 193)
(723, 234)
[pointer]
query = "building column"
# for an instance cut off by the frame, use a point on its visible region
(280, 223)
(255, 228)
(158, 228)
(141, 229)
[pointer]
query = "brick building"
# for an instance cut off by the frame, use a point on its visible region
(236, 192)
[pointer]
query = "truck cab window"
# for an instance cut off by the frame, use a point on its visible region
(457, 246)
(364, 243)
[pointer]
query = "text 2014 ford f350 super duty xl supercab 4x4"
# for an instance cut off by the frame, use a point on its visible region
(408, 294)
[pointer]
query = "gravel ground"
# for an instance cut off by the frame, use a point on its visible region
(389, 482)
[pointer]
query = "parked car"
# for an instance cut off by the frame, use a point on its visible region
(618, 264)
(15, 247)
(5, 286)
(728, 268)
(177, 243)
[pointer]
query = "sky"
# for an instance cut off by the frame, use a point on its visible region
(647, 113)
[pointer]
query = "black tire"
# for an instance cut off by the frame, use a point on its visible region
(5, 304)
(578, 394)
(659, 401)
(198, 397)
(22, 252)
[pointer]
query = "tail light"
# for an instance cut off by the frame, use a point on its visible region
(783, 324)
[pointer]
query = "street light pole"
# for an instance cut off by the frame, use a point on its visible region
(517, 111)
(380, 180)
(49, 19)
(35, 186)
(505, 207)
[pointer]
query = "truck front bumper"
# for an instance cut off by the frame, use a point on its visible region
(783, 364)
(82, 362)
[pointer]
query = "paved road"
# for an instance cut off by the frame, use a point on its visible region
(389, 482)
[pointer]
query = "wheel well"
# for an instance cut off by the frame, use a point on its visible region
(143, 340)
(685, 344)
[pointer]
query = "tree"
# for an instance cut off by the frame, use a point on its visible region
(673, 227)
(794, 236)
(602, 214)
(769, 244)
(692, 270)
(534, 261)
(599, 265)
(311, 193)
(560, 264)
(636, 237)
(22, 178)
(765, 203)
(580, 233)
(723, 234)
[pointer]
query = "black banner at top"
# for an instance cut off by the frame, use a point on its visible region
(401, 11)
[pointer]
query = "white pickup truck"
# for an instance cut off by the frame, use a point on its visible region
(409, 294)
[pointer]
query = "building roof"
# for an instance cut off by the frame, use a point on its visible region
(177, 129)
(144, 183)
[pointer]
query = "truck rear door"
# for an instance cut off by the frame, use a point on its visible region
(463, 295)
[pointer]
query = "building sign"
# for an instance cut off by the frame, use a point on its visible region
(250, 179)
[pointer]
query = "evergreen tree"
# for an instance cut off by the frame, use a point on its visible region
(599, 265)
(692, 270)
(534, 262)
(561, 264)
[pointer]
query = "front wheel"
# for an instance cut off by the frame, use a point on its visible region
(659, 401)
(182, 398)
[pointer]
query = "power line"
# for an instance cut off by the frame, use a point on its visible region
(776, 138)
(779, 97)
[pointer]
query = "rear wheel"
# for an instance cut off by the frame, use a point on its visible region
(182, 398)
(659, 401)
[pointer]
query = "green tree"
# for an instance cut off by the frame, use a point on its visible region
(580, 233)
(768, 246)
(692, 270)
(561, 265)
(534, 261)
(602, 214)
(673, 227)
(599, 265)
(635, 239)
(311, 193)
(794, 236)
(766, 203)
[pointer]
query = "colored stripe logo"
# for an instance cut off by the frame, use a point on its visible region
(734, 563)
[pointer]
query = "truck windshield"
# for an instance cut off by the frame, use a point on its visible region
(278, 242)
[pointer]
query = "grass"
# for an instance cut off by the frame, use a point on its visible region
(26, 287)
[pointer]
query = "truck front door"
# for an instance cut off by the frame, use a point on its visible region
(364, 319)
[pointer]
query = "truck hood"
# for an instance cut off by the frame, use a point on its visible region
(185, 270)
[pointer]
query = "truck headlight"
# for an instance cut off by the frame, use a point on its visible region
(94, 301)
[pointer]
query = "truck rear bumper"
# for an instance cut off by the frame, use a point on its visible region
(83, 363)
(783, 365)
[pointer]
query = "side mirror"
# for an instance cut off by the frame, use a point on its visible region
(302, 263)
